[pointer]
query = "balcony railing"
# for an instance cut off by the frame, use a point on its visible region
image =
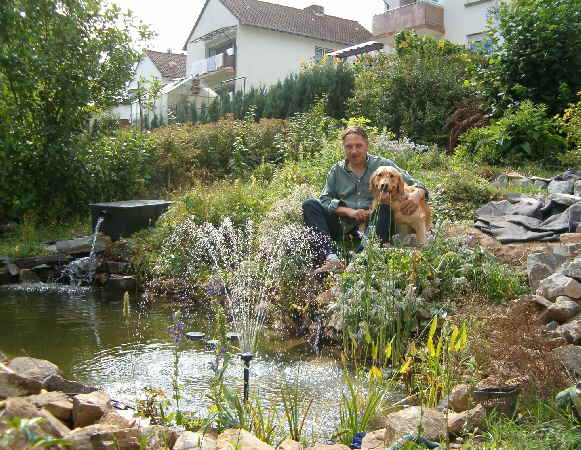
(420, 15)
(213, 63)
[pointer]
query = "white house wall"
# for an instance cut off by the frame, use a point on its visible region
(214, 16)
(462, 20)
(145, 68)
(265, 56)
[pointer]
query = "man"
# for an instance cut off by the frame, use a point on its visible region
(346, 199)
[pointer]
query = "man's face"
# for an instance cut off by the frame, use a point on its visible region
(355, 148)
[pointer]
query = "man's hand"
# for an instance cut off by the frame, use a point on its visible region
(412, 203)
(360, 215)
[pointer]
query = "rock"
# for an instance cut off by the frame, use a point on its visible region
(160, 437)
(238, 438)
(12, 268)
(289, 444)
(118, 267)
(57, 403)
(562, 310)
(577, 188)
(523, 181)
(190, 440)
(571, 331)
(89, 408)
(466, 420)
(121, 283)
(407, 421)
(570, 357)
(542, 265)
(45, 272)
(80, 438)
(501, 180)
(374, 440)
(119, 418)
(460, 398)
(33, 261)
(561, 187)
(28, 276)
(565, 199)
(572, 269)
(37, 369)
(538, 299)
(14, 385)
(83, 244)
(58, 383)
(540, 183)
(21, 407)
(570, 238)
(558, 284)
(123, 439)
(552, 325)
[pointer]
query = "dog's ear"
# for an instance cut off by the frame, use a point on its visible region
(400, 184)
(372, 186)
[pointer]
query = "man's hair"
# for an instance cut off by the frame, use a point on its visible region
(354, 129)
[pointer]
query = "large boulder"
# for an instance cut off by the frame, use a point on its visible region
(38, 369)
(58, 383)
(466, 420)
(15, 385)
(559, 284)
(562, 310)
(190, 440)
(433, 424)
(238, 438)
(80, 438)
(57, 403)
(570, 357)
(83, 245)
(460, 398)
(541, 265)
(374, 440)
(561, 187)
(572, 269)
(89, 408)
(123, 439)
(23, 408)
(570, 331)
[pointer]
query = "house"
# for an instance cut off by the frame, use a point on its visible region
(461, 21)
(255, 43)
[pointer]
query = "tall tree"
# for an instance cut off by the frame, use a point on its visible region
(60, 60)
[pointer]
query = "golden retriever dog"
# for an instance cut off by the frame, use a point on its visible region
(389, 188)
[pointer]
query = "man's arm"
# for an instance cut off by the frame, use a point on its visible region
(334, 205)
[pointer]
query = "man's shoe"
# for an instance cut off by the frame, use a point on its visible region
(331, 265)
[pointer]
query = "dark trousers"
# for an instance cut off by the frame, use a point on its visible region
(327, 227)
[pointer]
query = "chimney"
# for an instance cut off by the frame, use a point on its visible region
(316, 10)
(169, 50)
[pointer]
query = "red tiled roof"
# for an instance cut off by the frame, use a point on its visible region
(170, 65)
(304, 22)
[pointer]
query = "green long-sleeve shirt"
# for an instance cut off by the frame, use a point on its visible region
(344, 188)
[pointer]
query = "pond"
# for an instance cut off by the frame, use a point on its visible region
(86, 333)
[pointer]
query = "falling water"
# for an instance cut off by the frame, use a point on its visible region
(82, 270)
(248, 265)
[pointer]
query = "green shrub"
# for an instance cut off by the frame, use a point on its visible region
(414, 91)
(570, 124)
(523, 134)
(120, 166)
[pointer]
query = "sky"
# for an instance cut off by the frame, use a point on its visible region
(173, 19)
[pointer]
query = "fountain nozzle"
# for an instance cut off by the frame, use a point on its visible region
(246, 357)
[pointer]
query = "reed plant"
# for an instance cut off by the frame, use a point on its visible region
(296, 410)
(358, 408)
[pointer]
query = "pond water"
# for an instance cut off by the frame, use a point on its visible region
(85, 332)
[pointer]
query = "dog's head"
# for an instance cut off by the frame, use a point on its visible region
(386, 181)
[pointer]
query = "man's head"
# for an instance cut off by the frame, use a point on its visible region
(355, 144)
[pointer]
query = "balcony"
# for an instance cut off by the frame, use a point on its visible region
(222, 64)
(423, 16)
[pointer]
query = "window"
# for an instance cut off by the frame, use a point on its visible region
(320, 52)
(479, 42)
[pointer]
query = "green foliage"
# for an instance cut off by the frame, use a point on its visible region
(60, 61)
(524, 134)
(358, 408)
(119, 166)
(381, 292)
(413, 92)
(146, 94)
(536, 53)
(296, 410)
(570, 125)
(431, 371)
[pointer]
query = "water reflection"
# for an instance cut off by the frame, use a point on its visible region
(86, 334)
